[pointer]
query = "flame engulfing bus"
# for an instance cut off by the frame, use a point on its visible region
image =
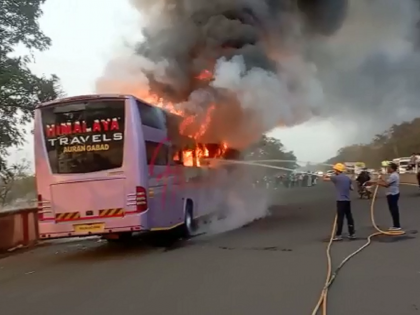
(113, 165)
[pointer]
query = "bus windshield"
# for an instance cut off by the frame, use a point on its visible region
(84, 136)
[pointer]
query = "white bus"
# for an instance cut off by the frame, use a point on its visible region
(103, 166)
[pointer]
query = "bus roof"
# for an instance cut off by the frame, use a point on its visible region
(83, 97)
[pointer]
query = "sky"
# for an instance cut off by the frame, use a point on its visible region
(87, 34)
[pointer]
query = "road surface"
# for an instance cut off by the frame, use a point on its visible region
(273, 266)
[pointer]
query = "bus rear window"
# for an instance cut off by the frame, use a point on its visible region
(84, 137)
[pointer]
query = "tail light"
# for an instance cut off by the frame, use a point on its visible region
(40, 207)
(141, 199)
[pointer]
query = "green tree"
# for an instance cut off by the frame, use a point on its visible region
(20, 89)
(398, 141)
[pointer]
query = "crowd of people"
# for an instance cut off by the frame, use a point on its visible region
(291, 180)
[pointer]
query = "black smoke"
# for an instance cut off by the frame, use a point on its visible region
(200, 32)
(276, 63)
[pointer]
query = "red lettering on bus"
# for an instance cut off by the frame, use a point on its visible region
(114, 124)
(105, 125)
(81, 127)
(65, 129)
(50, 130)
(96, 126)
(77, 128)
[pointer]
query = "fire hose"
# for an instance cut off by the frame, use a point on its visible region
(332, 275)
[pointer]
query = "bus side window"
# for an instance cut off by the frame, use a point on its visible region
(150, 116)
(162, 116)
(175, 156)
(157, 154)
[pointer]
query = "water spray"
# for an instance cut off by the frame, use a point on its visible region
(288, 161)
(250, 164)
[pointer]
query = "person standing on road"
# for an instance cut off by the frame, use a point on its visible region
(418, 176)
(299, 179)
(393, 195)
(314, 179)
(293, 179)
(286, 180)
(309, 179)
(305, 182)
(412, 163)
(343, 185)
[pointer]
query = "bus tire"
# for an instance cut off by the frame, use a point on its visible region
(188, 228)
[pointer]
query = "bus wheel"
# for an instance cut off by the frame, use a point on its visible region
(188, 228)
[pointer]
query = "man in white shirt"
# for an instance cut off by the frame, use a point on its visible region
(393, 195)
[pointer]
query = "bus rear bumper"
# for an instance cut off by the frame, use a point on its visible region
(94, 227)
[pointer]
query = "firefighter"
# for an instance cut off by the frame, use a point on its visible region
(393, 195)
(343, 186)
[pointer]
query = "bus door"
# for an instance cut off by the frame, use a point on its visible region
(85, 143)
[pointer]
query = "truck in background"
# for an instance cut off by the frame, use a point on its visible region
(402, 163)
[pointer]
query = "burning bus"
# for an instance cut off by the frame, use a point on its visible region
(113, 165)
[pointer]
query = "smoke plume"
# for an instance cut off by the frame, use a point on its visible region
(242, 59)
(368, 68)
(270, 63)
(233, 199)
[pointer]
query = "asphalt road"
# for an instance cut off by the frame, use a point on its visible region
(273, 266)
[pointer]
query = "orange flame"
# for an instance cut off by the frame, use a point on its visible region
(197, 156)
(193, 126)
(205, 75)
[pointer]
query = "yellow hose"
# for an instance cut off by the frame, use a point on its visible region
(332, 275)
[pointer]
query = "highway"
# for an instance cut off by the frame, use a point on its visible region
(273, 266)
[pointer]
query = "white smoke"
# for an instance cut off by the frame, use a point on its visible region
(234, 200)
(126, 74)
(268, 94)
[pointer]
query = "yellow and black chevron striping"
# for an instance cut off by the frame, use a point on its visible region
(116, 212)
(67, 216)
